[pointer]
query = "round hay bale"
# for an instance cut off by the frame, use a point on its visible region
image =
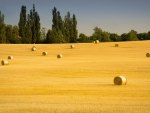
(59, 56)
(10, 57)
(4, 62)
(33, 48)
(72, 46)
(116, 45)
(120, 80)
(147, 54)
(97, 41)
(44, 53)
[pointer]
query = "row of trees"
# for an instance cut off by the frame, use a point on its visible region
(27, 31)
(104, 36)
(63, 30)
(29, 26)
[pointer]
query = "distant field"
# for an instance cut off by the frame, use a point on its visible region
(80, 82)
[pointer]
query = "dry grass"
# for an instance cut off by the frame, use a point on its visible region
(81, 82)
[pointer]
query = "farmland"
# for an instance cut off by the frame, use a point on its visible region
(79, 82)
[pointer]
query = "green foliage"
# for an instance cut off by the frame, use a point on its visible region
(100, 35)
(97, 35)
(62, 30)
(29, 26)
(114, 37)
(67, 26)
(144, 36)
(22, 24)
(83, 38)
(57, 33)
(43, 34)
(35, 25)
(52, 36)
(2, 29)
(131, 36)
(28, 32)
(9, 30)
(15, 35)
(12, 34)
(74, 30)
(49, 37)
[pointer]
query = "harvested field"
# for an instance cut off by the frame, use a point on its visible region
(81, 82)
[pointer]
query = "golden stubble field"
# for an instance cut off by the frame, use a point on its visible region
(80, 82)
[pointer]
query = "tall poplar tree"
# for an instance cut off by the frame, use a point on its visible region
(35, 25)
(74, 30)
(28, 32)
(22, 24)
(9, 30)
(2, 29)
(67, 26)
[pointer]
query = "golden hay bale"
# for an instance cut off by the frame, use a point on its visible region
(44, 53)
(147, 54)
(120, 80)
(4, 62)
(59, 56)
(10, 57)
(97, 41)
(72, 46)
(33, 48)
(116, 45)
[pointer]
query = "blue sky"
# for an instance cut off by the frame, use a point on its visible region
(115, 16)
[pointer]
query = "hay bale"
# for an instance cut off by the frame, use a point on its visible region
(72, 46)
(33, 48)
(59, 56)
(120, 80)
(147, 54)
(116, 45)
(44, 53)
(97, 41)
(10, 57)
(4, 62)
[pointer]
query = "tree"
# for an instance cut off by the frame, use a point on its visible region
(35, 25)
(67, 26)
(12, 34)
(124, 37)
(55, 19)
(9, 30)
(114, 37)
(83, 38)
(74, 30)
(49, 37)
(57, 27)
(15, 35)
(105, 37)
(132, 36)
(144, 36)
(60, 23)
(2, 29)
(97, 35)
(52, 35)
(28, 32)
(43, 33)
(22, 24)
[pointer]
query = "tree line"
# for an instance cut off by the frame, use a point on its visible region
(63, 30)
(104, 36)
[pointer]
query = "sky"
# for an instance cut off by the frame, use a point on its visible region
(114, 16)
